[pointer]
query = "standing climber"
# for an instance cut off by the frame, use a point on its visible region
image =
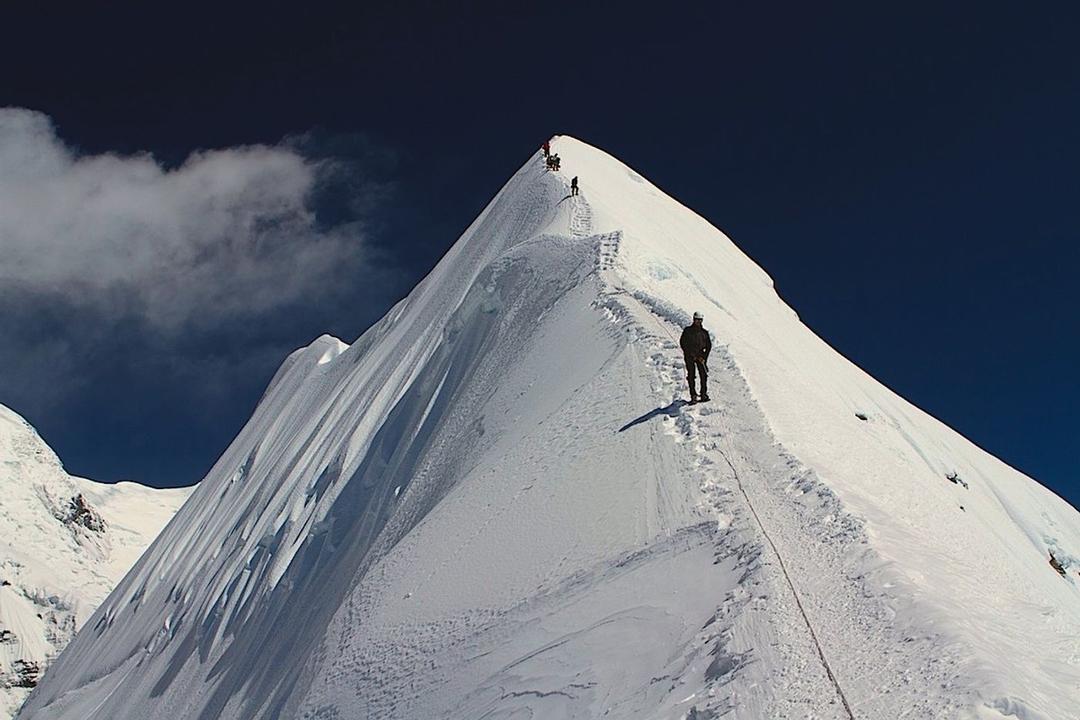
(547, 148)
(573, 186)
(696, 345)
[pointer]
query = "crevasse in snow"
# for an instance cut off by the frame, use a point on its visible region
(494, 504)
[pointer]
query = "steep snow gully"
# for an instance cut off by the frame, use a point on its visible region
(494, 504)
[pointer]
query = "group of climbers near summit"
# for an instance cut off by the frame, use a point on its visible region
(696, 343)
(550, 159)
(553, 162)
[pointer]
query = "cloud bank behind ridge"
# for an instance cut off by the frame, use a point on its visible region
(144, 295)
(228, 234)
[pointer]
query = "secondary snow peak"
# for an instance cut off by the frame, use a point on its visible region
(64, 544)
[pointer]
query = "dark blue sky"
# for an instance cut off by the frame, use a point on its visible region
(907, 175)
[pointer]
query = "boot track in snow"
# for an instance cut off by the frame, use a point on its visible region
(710, 438)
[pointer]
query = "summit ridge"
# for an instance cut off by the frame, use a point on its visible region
(494, 503)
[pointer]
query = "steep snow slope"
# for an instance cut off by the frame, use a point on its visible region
(494, 505)
(64, 544)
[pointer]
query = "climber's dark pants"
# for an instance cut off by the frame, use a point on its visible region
(693, 367)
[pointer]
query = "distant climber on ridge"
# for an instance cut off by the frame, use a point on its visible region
(696, 346)
(547, 148)
(573, 186)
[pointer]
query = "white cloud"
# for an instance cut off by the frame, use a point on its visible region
(228, 235)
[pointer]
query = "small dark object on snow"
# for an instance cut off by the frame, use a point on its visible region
(1056, 564)
(6, 636)
(861, 417)
(4, 583)
(962, 508)
(79, 512)
(573, 186)
(955, 479)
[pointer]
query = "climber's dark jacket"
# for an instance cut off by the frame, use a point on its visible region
(695, 342)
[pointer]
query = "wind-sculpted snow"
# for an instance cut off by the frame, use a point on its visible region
(413, 459)
(495, 504)
(340, 460)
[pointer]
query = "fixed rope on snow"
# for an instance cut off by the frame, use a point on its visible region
(765, 533)
(776, 551)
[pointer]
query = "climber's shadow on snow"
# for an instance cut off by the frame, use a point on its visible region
(671, 410)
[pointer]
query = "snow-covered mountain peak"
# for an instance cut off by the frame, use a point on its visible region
(331, 347)
(496, 503)
(18, 437)
(64, 544)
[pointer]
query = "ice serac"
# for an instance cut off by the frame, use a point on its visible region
(65, 542)
(493, 504)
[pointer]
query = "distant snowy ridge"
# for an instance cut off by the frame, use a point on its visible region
(64, 544)
(496, 504)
